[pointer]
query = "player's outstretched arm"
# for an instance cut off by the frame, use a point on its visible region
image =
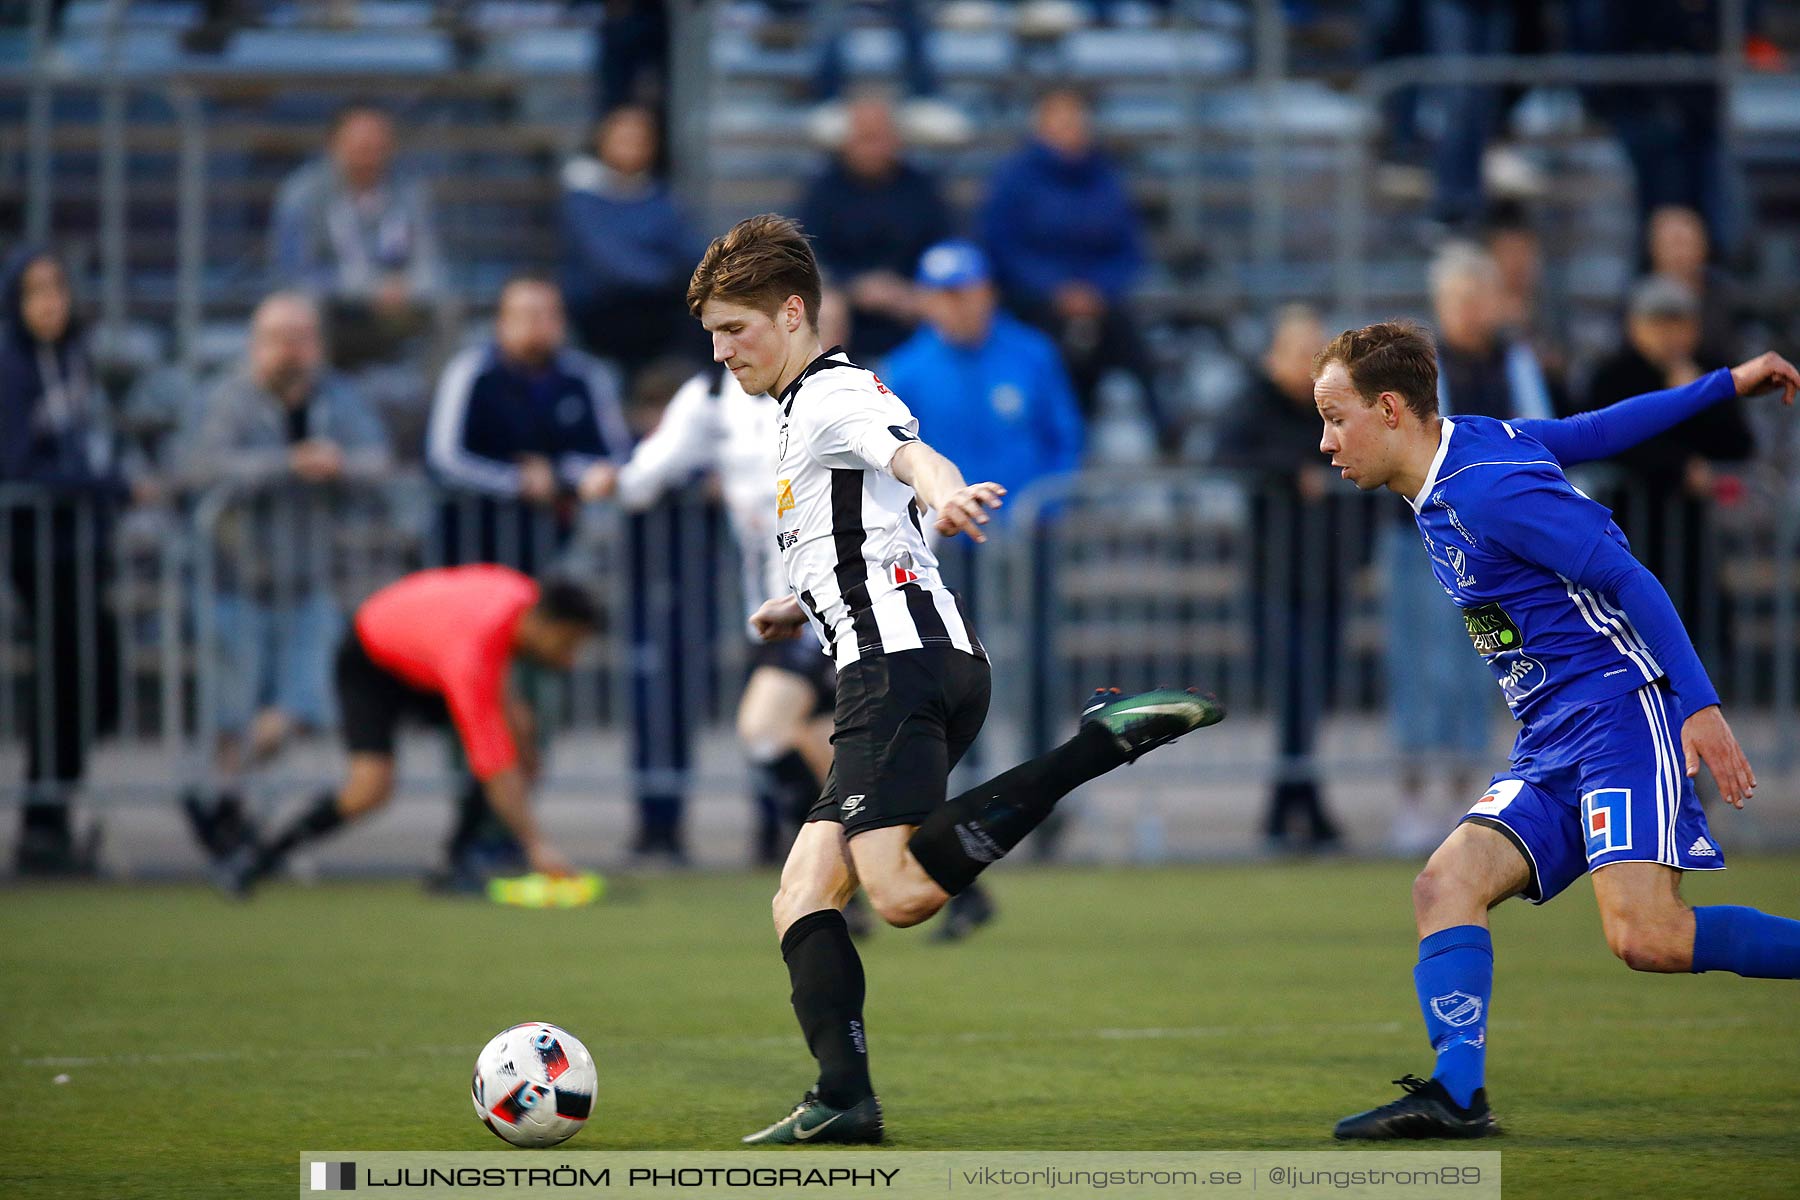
(960, 507)
(1588, 436)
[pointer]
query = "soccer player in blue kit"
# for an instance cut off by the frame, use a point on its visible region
(1616, 711)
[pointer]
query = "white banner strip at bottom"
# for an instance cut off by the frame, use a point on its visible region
(1435, 1173)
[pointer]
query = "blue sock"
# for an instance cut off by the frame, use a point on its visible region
(1754, 944)
(1455, 977)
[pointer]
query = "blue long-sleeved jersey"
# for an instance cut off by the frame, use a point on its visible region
(1549, 592)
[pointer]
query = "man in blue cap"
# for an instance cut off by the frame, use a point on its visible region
(993, 393)
(990, 392)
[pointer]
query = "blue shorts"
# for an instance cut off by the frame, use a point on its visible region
(1600, 785)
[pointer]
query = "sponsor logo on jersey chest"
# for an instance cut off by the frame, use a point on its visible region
(1492, 631)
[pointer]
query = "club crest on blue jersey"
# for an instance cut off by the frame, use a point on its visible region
(1459, 563)
(1606, 818)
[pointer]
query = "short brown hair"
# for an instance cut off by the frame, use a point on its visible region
(759, 262)
(1389, 356)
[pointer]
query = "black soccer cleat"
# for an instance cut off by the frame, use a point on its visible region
(1426, 1111)
(1142, 722)
(221, 826)
(813, 1120)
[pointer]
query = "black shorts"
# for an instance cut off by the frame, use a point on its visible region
(903, 721)
(372, 700)
(801, 656)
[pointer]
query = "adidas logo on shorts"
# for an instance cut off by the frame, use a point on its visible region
(1702, 849)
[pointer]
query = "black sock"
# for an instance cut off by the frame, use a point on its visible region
(315, 821)
(827, 976)
(958, 841)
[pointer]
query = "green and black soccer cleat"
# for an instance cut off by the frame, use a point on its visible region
(1142, 722)
(1426, 1111)
(813, 1120)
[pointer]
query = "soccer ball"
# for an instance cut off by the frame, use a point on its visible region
(534, 1085)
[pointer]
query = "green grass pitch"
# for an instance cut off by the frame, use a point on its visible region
(1229, 1007)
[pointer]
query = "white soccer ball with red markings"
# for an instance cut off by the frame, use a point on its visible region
(534, 1085)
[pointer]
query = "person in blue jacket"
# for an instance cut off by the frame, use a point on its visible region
(1068, 247)
(993, 391)
(985, 385)
(627, 248)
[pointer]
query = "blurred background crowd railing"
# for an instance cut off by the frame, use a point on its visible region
(1257, 137)
(281, 207)
(164, 646)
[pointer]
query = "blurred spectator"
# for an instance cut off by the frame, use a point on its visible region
(928, 118)
(1528, 313)
(669, 546)
(632, 55)
(1471, 112)
(1463, 119)
(1484, 369)
(524, 416)
(1274, 435)
(1676, 247)
(871, 214)
(359, 235)
(517, 423)
(286, 432)
(57, 449)
(1395, 29)
(628, 248)
(1670, 131)
(1442, 698)
(990, 392)
(1665, 504)
(1067, 247)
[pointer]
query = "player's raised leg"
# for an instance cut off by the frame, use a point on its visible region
(817, 880)
(963, 837)
(1475, 869)
(1651, 928)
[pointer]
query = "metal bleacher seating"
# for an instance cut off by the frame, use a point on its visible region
(489, 106)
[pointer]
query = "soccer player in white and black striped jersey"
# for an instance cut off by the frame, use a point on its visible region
(853, 487)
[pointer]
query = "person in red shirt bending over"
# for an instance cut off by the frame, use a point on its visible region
(438, 645)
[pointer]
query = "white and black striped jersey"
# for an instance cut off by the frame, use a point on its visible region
(849, 532)
(712, 424)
